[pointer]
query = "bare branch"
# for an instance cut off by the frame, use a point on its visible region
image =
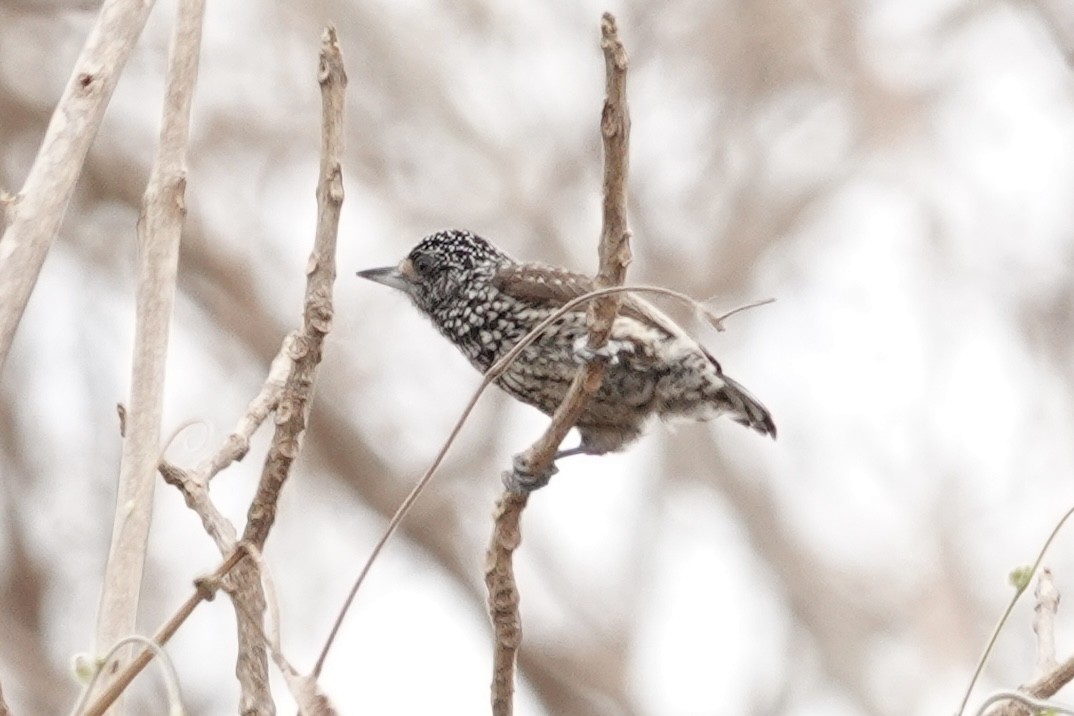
(292, 412)
(194, 484)
(311, 700)
(291, 372)
(1021, 579)
(1023, 704)
(238, 443)
(206, 588)
(305, 352)
(615, 255)
(171, 677)
(4, 710)
(1049, 676)
(196, 495)
(489, 377)
(506, 506)
(503, 598)
(614, 251)
(1044, 622)
(33, 217)
(1043, 688)
(7, 204)
(160, 227)
(1049, 684)
(251, 664)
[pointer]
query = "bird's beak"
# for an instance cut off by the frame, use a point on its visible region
(389, 276)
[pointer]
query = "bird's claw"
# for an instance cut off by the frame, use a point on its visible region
(610, 351)
(521, 480)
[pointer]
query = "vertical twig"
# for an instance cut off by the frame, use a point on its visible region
(160, 227)
(293, 409)
(614, 249)
(305, 351)
(503, 598)
(33, 216)
(615, 255)
(4, 710)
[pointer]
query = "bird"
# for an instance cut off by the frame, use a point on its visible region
(484, 302)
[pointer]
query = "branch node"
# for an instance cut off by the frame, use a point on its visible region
(207, 587)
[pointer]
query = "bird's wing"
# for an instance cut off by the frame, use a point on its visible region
(556, 286)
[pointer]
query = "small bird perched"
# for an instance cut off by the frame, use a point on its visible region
(484, 302)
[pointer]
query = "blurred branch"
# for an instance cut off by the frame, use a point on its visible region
(1057, 18)
(823, 597)
(614, 250)
(4, 710)
(33, 217)
(160, 228)
(25, 581)
(1044, 622)
(7, 202)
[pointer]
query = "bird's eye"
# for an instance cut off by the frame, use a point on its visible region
(424, 264)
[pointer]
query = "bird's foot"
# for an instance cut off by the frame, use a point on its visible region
(522, 480)
(610, 351)
(578, 450)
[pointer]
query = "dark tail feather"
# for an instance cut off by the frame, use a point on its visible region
(744, 408)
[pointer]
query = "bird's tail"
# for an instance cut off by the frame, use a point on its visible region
(743, 408)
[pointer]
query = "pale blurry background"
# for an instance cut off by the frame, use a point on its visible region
(899, 174)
